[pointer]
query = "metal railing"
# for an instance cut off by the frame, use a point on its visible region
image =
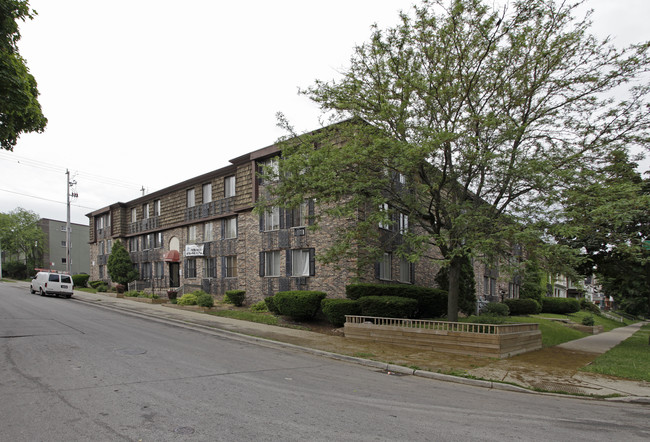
(443, 326)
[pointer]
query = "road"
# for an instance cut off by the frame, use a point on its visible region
(71, 371)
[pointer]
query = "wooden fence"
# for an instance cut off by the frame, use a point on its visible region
(493, 340)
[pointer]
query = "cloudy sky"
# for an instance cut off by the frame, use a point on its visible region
(148, 93)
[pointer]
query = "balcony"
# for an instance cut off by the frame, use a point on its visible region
(144, 225)
(218, 207)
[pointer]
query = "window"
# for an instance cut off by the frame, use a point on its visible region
(65, 279)
(133, 244)
(300, 214)
(63, 260)
(272, 219)
(401, 178)
(109, 246)
(146, 271)
(145, 211)
(101, 272)
(157, 240)
(191, 233)
(405, 271)
(207, 193)
(159, 270)
(270, 167)
(384, 224)
(270, 263)
(403, 223)
(156, 208)
(230, 228)
(513, 290)
(385, 266)
(210, 267)
(147, 241)
(191, 268)
(191, 201)
(207, 232)
(101, 247)
(301, 262)
(489, 286)
(134, 215)
(229, 186)
(63, 243)
(230, 264)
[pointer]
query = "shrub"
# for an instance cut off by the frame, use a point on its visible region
(431, 303)
(336, 309)
(523, 306)
(588, 320)
(496, 309)
(235, 297)
(270, 304)
(132, 294)
(96, 284)
(187, 299)
(103, 287)
(486, 319)
(80, 280)
(388, 306)
(15, 269)
(203, 299)
(299, 304)
(259, 307)
(560, 305)
(589, 306)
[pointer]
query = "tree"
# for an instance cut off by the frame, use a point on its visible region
(486, 115)
(467, 286)
(531, 284)
(20, 110)
(120, 266)
(21, 235)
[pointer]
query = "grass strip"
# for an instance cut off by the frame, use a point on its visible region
(261, 318)
(630, 359)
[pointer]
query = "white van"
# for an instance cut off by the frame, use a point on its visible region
(51, 283)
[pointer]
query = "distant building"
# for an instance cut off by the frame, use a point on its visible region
(54, 251)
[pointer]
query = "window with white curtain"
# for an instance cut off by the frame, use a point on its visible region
(300, 262)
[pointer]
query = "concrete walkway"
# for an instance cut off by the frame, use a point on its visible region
(602, 342)
(549, 369)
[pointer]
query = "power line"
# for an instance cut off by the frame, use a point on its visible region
(58, 169)
(45, 199)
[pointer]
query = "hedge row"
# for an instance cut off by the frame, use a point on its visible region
(298, 304)
(523, 306)
(560, 305)
(431, 303)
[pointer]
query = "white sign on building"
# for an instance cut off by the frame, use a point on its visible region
(194, 250)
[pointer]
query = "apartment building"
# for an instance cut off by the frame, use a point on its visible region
(202, 233)
(54, 253)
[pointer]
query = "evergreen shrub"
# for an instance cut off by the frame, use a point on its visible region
(336, 309)
(187, 299)
(496, 309)
(203, 299)
(388, 306)
(299, 304)
(589, 306)
(523, 306)
(560, 305)
(95, 284)
(431, 303)
(80, 280)
(235, 297)
(270, 304)
(259, 307)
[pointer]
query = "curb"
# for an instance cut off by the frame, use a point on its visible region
(383, 366)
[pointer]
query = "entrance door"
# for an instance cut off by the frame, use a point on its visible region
(174, 274)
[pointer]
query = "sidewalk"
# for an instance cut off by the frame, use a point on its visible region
(553, 369)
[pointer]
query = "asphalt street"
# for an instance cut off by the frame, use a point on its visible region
(72, 371)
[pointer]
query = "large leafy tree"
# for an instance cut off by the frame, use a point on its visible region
(21, 235)
(20, 110)
(477, 119)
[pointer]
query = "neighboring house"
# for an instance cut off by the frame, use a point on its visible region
(54, 251)
(202, 234)
(561, 286)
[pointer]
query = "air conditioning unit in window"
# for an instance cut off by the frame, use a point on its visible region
(302, 280)
(299, 232)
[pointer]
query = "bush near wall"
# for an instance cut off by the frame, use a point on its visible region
(203, 299)
(431, 303)
(560, 305)
(336, 309)
(299, 304)
(235, 297)
(80, 280)
(96, 284)
(496, 309)
(523, 306)
(388, 306)
(187, 299)
(270, 304)
(14, 269)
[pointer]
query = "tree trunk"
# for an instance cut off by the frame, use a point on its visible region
(454, 289)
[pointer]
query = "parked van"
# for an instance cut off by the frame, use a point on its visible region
(52, 283)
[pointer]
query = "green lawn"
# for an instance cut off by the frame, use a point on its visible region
(630, 359)
(553, 333)
(608, 324)
(260, 317)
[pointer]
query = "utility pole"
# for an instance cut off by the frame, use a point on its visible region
(68, 229)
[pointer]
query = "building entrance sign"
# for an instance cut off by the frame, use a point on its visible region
(194, 250)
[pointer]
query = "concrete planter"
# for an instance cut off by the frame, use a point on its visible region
(193, 308)
(591, 329)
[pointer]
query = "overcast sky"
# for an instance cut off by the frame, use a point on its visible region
(148, 93)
